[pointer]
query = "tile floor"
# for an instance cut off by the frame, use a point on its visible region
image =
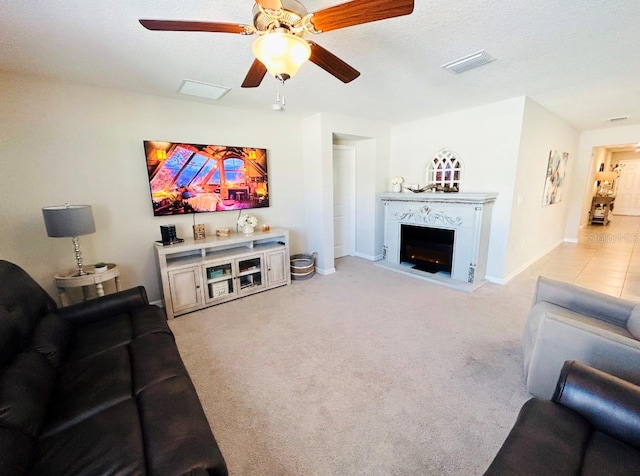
(606, 259)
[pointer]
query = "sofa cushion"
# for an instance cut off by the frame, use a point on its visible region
(89, 386)
(178, 439)
(23, 299)
(108, 442)
(606, 455)
(633, 324)
(26, 384)
(154, 358)
(9, 337)
(98, 336)
(51, 338)
(16, 452)
(148, 319)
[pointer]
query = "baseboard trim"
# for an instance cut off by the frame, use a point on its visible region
(369, 257)
(515, 273)
(325, 272)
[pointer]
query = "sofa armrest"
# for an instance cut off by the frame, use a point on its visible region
(105, 306)
(610, 404)
(546, 439)
(559, 338)
(585, 301)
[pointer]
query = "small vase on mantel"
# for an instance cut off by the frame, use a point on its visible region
(396, 187)
(247, 229)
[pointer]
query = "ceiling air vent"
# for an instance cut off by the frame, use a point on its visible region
(201, 90)
(617, 119)
(468, 62)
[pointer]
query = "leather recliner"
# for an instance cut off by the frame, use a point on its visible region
(591, 427)
(568, 322)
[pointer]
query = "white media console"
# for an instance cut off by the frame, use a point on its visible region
(201, 273)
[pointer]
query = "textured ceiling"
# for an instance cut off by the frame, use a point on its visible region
(579, 59)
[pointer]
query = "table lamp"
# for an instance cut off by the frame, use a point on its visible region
(606, 179)
(70, 221)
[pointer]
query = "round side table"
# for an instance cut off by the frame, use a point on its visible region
(70, 280)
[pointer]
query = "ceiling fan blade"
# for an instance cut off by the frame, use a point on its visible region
(332, 64)
(255, 75)
(274, 5)
(357, 12)
(178, 25)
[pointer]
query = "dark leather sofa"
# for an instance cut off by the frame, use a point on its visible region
(591, 427)
(96, 388)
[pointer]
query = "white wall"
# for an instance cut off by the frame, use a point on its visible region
(372, 156)
(585, 168)
(535, 230)
(487, 138)
(68, 143)
(616, 157)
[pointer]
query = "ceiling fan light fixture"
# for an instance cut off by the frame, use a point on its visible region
(281, 52)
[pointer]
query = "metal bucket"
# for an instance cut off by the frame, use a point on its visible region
(303, 266)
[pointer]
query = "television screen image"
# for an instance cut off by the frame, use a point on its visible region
(193, 178)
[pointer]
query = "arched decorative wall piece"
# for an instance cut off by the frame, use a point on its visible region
(445, 169)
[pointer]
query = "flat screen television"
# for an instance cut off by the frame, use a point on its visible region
(194, 178)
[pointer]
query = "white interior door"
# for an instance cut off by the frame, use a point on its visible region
(628, 190)
(343, 201)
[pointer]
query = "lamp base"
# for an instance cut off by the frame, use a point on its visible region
(76, 249)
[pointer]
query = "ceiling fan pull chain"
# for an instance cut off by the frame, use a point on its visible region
(284, 101)
(280, 100)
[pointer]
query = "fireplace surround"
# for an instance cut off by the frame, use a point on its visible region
(454, 228)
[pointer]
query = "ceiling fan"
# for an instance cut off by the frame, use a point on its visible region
(281, 26)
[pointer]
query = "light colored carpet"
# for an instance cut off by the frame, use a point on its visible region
(363, 372)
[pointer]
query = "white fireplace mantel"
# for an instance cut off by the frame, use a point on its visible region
(468, 214)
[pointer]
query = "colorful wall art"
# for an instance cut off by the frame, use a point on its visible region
(554, 183)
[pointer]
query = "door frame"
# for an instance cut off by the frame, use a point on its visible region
(351, 248)
(625, 161)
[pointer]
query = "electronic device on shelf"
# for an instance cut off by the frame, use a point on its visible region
(169, 236)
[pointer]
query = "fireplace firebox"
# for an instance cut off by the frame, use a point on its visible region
(428, 249)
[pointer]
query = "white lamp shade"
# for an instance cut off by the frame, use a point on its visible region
(68, 220)
(606, 176)
(281, 53)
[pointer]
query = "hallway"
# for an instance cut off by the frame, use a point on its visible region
(605, 259)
